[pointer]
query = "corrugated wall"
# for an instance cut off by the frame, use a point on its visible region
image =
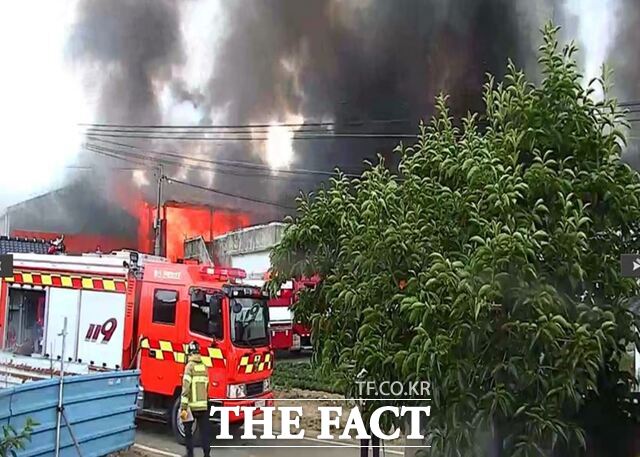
(100, 408)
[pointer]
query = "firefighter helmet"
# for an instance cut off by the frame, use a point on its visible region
(193, 348)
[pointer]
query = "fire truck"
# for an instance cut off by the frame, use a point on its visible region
(286, 332)
(129, 310)
(249, 249)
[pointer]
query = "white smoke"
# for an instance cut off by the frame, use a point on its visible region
(596, 28)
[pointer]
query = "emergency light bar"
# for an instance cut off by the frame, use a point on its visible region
(222, 273)
(247, 292)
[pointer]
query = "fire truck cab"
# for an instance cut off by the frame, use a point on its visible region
(128, 310)
(180, 303)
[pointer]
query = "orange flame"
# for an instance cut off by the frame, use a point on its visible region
(181, 221)
(184, 222)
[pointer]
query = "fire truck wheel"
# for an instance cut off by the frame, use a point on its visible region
(176, 424)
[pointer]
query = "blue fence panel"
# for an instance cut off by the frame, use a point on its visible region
(100, 408)
(5, 401)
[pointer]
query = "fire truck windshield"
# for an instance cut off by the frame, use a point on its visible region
(249, 322)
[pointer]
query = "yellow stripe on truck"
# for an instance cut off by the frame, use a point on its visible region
(215, 353)
(165, 351)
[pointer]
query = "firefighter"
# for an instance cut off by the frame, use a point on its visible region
(194, 400)
(375, 441)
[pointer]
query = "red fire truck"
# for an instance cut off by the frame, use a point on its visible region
(127, 310)
(286, 332)
(280, 320)
(303, 331)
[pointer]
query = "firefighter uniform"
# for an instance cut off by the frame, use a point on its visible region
(194, 399)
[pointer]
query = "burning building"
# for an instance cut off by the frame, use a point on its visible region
(90, 222)
(79, 213)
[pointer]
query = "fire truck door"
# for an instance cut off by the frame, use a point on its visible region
(101, 328)
(62, 303)
(162, 364)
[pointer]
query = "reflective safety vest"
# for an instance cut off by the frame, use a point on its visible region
(195, 385)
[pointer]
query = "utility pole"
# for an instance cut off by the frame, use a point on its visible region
(157, 249)
(63, 334)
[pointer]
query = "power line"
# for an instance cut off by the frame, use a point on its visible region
(168, 161)
(227, 194)
(217, 191)
(193, 131)
(205, 127)
(106, 153)
(248, 126)
(252, 127)
(629, 103)
(126, 156)
(310, 137)
(95, 168)
(238, 136)
(230, 163)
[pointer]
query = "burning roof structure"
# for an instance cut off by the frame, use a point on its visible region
(92, 222)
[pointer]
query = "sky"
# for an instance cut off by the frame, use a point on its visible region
(40, 99)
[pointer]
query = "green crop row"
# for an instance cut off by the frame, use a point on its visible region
(299, 375)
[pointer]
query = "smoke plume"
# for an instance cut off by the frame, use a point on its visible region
(376, 59)
(348, 62)
(131, 48)
(368, 66)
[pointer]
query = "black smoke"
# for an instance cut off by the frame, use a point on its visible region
(379, 60)
(364, 64)
(625, 54)
(370, 66)
(364, 61)
(625, 63)
(131, 48)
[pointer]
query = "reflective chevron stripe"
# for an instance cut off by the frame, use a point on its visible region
(166, 350)
(68, 281)
(256, 364)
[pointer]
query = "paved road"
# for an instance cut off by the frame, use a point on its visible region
(156, 439)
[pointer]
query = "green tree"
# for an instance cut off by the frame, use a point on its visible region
(487, 264)
(13, 441)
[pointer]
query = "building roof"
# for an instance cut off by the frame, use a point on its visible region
(9, 245)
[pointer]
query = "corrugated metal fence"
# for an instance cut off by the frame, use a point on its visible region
(100, 409)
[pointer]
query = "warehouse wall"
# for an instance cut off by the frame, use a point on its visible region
(251, 244)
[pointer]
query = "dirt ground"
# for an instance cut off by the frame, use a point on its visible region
(310, 400)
